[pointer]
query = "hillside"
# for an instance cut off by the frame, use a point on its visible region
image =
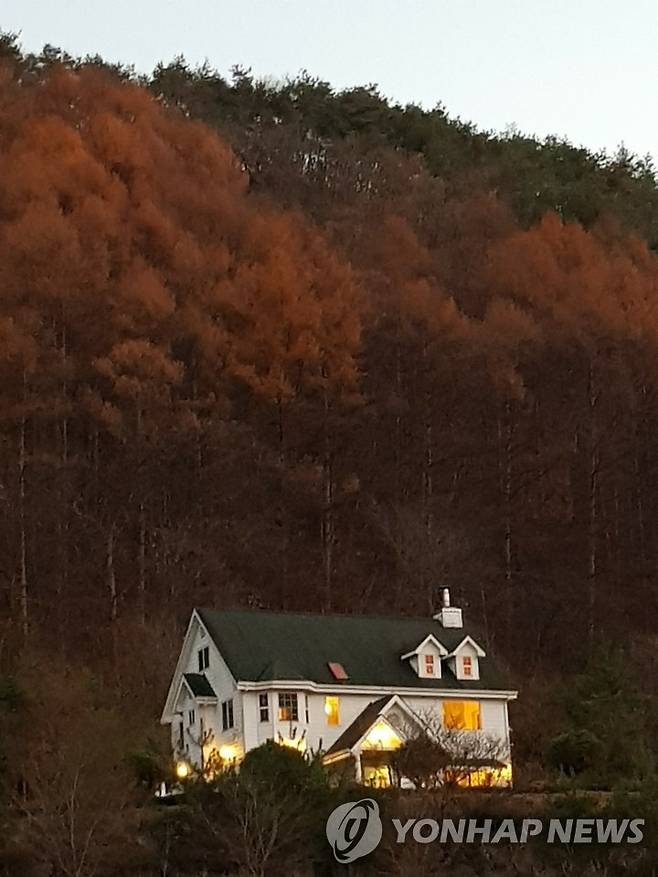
(281, 346)
(332, 356)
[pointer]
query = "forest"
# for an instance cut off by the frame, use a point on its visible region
(275, 345)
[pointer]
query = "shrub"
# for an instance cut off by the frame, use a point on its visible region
(574, 752)
(282, 769)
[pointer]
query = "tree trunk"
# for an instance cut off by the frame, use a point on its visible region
(327, 525)
(141, 563)
(281, 512)
(428, 584)
(24, 588)
(111, 575)
(593, 506)
(505, 443)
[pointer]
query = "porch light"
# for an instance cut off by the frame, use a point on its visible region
(228, 753)
(382, 736)
(182, 770)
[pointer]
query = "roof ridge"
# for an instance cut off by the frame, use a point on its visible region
(306, 613)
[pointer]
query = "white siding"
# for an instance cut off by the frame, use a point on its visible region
(224, 687)
(320, 735)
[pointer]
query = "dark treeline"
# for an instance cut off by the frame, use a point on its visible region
(338, 355)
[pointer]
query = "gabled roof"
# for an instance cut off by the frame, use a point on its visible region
(263, 646)
(199, 685)
(479, 651)
(430, 638)
(360, 726)
(369, 716)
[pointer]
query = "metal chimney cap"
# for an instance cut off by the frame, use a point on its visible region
(446, 598)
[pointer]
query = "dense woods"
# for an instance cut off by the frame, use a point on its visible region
(276, 345)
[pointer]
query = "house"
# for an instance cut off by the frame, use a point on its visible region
(351, 687)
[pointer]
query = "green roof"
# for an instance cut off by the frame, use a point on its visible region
(199, 685)
(263, 646)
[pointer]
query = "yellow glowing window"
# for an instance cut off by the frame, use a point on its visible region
(461, 715)
(332, 710)
(378, 777)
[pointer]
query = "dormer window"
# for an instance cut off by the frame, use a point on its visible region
(425, 659)
(464, 660)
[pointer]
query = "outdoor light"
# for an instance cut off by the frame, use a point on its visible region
(382, 736)
(182, 770)
(227, 753)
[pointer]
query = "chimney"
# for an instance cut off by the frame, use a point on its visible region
(448, 616)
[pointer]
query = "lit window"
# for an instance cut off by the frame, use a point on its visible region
(263, 708)
(429, 665)
(204, 658)
(332, 710)
(377, 777)
(461, 715)
(227, 715)
(288, 709)
(467, 665)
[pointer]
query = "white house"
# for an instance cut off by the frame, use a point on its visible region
(351, 687)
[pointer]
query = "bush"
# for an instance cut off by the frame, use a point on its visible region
(267, 817)
(149, 768)
(282, 769)
(574, 752)
(422, 760)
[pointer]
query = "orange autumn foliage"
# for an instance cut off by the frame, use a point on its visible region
(130, 245)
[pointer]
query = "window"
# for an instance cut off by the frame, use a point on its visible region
(461, 715)
(181, 736)
(467, 665)
(288, 709)
(191, 717)
(377, 777)
(306, 708)
(263, 707)
(204, 658)
(429, 665)
(332, 710)
(227, 715)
